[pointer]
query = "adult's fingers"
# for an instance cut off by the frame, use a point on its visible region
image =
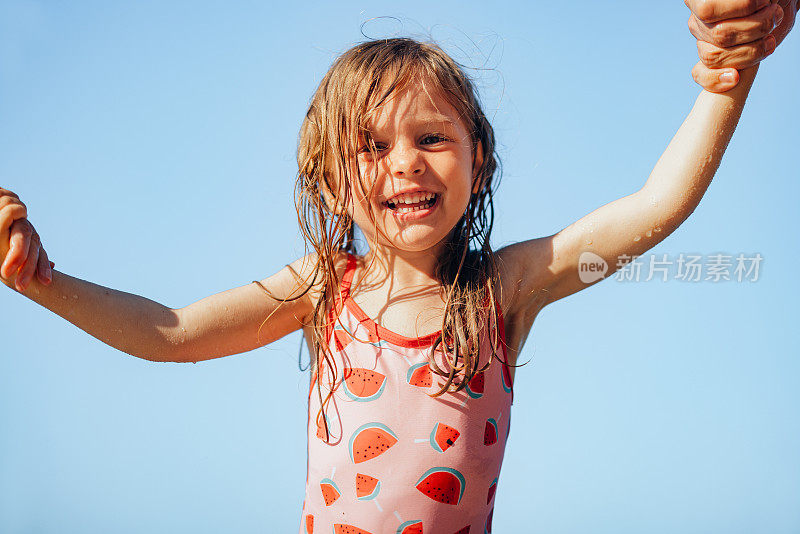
(715, 80)
(8, 192)
(737, 57)
(732, 32)
(714, 10)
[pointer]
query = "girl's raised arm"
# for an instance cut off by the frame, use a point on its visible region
(631, 225)
(231, 322)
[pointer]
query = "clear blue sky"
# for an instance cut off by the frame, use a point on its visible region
(153, 143)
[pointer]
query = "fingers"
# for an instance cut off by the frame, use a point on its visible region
(737, 57)
(715, 80)
(8, 192)
(732, 32)
(43, 268)
(28, 268)
(11, 209)
(19, 242)
(714, 10)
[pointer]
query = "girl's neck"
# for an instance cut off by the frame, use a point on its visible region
(403, 268)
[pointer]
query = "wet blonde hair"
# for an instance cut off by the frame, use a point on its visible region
(357, 84)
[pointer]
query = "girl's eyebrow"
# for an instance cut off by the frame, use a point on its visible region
(433, 120)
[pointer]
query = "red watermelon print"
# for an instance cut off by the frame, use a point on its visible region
(330, 492)
(410, 527)
(342, 338)
(339, 528)
(369, 441)
(490, 434)
(506, 378)
(492, 489)
(419, 375)
(363, 384)
(442, 484)
(309, 525)
(464, 530)
(489, 522)
(476, 385)
(367, 487)
(443, 437)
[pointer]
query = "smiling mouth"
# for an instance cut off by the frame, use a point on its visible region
(407, 206)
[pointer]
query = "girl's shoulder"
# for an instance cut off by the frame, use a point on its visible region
(523, 276)
(309, 271)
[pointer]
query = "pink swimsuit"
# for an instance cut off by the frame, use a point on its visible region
(399, 461)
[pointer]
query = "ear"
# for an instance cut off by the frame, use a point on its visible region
(477, 162)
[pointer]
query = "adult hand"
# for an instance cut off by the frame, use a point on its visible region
(21, 251)
(735, 34)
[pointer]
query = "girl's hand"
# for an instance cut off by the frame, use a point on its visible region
(735, 34)
(21, 251)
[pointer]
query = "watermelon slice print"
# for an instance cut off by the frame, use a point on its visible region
(464, 530)
(363, 384)
(442, 484)
(492, 489)
(490, 433)
(370, 440)
(330, 492)
(342, 338)
(488, 528)
(506, 378)
(339, 528)
(419, 375)
(410, 527)
(367, 487)
(475, 386)
(309, 525)
(443, 437)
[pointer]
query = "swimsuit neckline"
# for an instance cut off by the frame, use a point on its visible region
(374, 327)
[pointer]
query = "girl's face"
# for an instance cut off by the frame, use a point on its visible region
(422, 171)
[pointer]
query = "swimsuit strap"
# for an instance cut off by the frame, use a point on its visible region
(347, 278)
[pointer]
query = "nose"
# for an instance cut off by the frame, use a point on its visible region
(405, 161)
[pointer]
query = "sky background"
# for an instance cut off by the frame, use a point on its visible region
(153, 143)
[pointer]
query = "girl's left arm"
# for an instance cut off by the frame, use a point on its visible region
(547, 269)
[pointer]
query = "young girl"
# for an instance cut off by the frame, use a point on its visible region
(413, 341)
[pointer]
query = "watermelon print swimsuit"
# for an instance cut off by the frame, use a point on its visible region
(399, 461)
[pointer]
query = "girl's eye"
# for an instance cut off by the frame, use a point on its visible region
(377, 147)
(432, 139)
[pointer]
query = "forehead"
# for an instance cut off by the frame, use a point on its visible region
(415, 105)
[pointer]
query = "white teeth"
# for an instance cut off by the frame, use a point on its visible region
(428, 202)
(412, 198)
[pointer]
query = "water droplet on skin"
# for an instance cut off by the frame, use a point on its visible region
(64, 297)
(589, 242)
(657, 229)
(75, 297)
(649, 233)
(183, 329)
(226, 308)
(637, 238)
